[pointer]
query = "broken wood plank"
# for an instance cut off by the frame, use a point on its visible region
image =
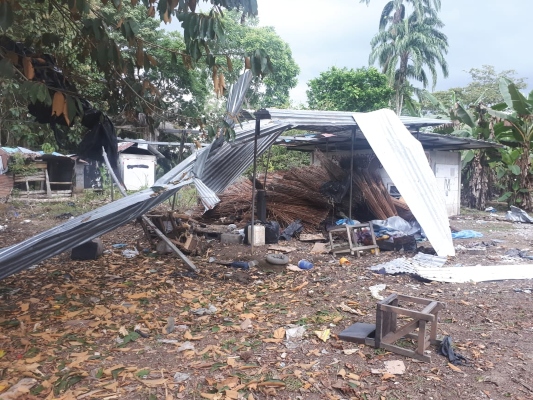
(185, 259)
(310, 237)
(320, 248)
(283, 249)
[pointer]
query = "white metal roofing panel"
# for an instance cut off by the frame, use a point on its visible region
(478, 273)
(404, 159)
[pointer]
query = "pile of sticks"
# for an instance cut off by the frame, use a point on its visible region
(295, 195)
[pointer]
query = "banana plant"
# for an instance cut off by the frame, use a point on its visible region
(470, 122)
(515, 119)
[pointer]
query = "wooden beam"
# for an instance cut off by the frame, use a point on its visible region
(185, 259)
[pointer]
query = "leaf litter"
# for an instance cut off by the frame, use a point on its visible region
(127, 329)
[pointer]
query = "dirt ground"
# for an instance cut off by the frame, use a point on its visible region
(69, 325)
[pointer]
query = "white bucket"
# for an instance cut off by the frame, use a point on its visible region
(259, 235)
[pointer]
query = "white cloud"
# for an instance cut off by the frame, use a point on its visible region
(322, 34)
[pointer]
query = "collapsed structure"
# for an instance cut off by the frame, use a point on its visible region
(213, 168)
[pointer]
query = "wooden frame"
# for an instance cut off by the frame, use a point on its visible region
(352, 248)
(388, 332)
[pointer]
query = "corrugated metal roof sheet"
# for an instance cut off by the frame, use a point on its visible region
(81, 229)
(404, 159)
(335, 121)
(342, 141)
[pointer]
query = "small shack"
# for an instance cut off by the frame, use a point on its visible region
(35, 174)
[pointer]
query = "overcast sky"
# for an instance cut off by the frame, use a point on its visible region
(329, 33)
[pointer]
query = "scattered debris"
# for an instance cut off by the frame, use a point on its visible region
(277, 259)
(344, 261)
(311, 237)
(466, 234)
(19, 389)
(295, 333)
(185, 346)
(304, 264)
(294, 268)
(409, 266)
(446, 349)
(376, 289)
(210, 310)
(394, 367)
(518, 215)
(323, 335)
(319, 248)
(130, 253)
(478, 273)
(180, 377)
(283, 249)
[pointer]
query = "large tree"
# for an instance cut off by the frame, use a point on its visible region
(407, 46)
(108, 52)
(342, 89)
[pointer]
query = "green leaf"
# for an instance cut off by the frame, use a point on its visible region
(116, 372)
(6, 15)
(464, 116)
(43, 94)
(6, 69)
(142, 373)
(515, 186)
(99, 373)
(515, 169)
(504, 116)
(71, 108)
(468, 156)
(50, 39)
(514, 99)
(505, 196)
(499, 106)
(216, 366)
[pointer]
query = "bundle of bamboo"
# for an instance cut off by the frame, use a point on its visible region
(296, 194)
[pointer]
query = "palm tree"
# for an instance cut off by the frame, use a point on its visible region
(405, 47)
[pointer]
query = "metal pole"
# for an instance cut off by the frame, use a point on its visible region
(266, 168)
(257, 132)
(351, 173)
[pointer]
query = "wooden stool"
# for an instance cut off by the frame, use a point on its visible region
(386, 330)
(353, 247)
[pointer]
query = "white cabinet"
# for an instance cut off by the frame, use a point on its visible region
(137, 170)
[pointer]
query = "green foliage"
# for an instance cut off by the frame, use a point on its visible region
(117, 57)
(18, 165)
(483, 88)
(516, 131)
(282, 159)
(273, 90)
(342, 89)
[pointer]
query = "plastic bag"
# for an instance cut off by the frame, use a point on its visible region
(518, 215)
(291, 230)
(271, 232)
(466, 234)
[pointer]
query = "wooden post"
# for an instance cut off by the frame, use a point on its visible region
(161, 235)
(48, 190)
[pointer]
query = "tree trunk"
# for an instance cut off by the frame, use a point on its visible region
(477, 187)
(525, 178)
